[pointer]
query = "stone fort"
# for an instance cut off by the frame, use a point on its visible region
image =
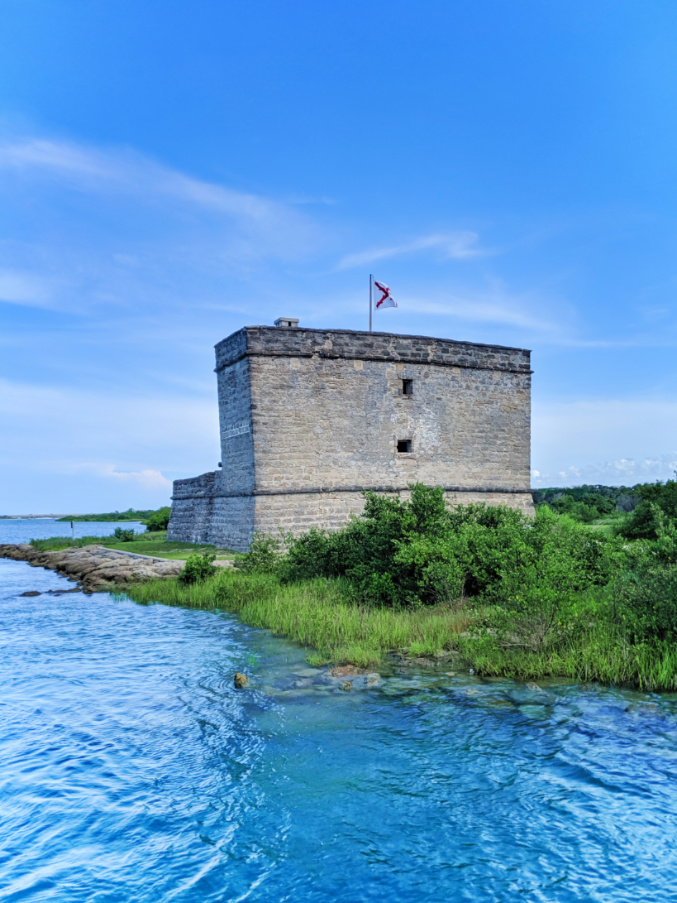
(310, 418)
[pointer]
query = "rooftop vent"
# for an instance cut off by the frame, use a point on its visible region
(287, 322)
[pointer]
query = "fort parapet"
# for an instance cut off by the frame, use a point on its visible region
(311, 418)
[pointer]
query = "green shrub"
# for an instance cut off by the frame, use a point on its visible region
(419, 552)
(263, 556)
(158, 520)
(122, 535)
(315, 554)
(646, 603)
(646, 521)
(198, 568)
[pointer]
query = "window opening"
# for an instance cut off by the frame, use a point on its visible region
(404, 446)
(407, 386)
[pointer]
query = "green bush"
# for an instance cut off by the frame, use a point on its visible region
(645, 603)
(309, 555)
(403, 553)
(513, 595)
(198, 568)
(158, 520)
(263, 556)
(645, 522)
(122, 535)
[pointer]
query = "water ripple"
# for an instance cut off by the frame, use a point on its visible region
(132, 770)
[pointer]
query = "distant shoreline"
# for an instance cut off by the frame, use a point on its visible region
(33, 516)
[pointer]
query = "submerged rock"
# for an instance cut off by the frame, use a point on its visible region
(530, 694)
(32, 592)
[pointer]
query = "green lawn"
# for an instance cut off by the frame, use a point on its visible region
(147, 544)
(176, 550)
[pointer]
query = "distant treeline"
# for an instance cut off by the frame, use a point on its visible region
(647, 504)
(154, 519)
(588, 503)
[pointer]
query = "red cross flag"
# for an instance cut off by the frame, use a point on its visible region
(386, 299)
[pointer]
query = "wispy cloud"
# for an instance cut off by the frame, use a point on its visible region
(266, 226)
(453, 245)
(148, 479)
(485, 309)
(127, 170)
(17, 287)
(161, 431)
(111, 229)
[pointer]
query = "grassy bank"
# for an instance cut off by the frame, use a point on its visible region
(321, 615)
(509, 595)
(316, 613)
(146, 544)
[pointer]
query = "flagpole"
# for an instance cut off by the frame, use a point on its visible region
(371, 282)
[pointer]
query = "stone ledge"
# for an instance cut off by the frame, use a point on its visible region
(323, 490)
(266, 341)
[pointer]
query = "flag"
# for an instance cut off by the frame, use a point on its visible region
(386, 299)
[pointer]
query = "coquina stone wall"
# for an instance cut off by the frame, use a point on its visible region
(311, 418)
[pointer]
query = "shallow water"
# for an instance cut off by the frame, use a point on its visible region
(132, 770)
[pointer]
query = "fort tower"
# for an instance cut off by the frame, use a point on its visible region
(310, 418)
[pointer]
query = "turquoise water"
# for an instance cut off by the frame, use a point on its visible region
(131, 770)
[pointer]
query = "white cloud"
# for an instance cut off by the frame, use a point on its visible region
(622, 472)
(453, 245)
(619, 441)
(149, 479)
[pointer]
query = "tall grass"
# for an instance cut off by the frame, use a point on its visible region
(602, 654)
(315, 613)
(319, 614)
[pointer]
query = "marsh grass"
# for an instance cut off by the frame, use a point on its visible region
(320, 615)
(315, 613)
(601, 655)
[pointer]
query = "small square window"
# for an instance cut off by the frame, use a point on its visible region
(407, 386)
(404, 446)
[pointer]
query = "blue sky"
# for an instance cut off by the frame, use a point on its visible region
(172, 171)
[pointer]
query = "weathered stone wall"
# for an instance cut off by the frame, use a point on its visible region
(203, 513)
(192, 506)
(298, 512)
(334, 424)
(310, 418)
(235, 419)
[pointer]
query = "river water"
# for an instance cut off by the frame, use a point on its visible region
(132, 770)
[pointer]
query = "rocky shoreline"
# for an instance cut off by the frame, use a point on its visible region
(95, 567)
